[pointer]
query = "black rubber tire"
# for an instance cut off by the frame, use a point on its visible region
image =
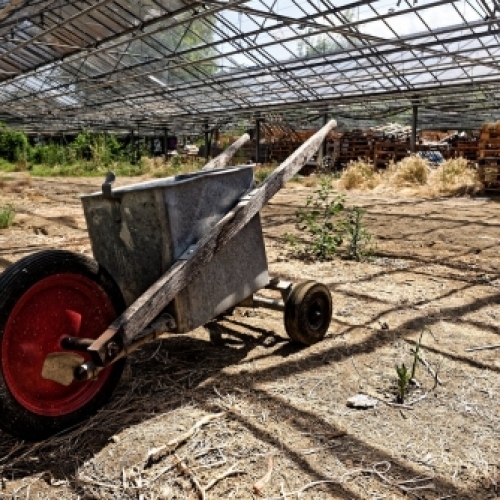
(14, 283)
(308, 312)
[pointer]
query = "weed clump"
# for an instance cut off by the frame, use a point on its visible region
(325, 225)
(359, 240)
(360, 174)
(317, 220)
(7, 215)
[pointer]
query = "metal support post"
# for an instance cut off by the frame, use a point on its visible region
(414, 121)
(165, 143)
(258, 119)
(207, 142)
(137, 147)
(132, 147)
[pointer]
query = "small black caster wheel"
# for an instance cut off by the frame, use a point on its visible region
(308, 312)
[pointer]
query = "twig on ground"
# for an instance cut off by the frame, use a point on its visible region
(409, 403)
(28, 485)
(298, 493)
(259, 485)
(315, 483)
(376, 470)
(184, 469)
(398, 405)
(88, 480)
(156, 454)
(483, 347)
(316, 386)
(230, 472)
(356, 368)
(429, 368)
(388, 403)
(161, 472)
(282, 492)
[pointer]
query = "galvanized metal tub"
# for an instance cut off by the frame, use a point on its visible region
(142, 229)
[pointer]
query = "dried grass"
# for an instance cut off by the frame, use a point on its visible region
(410, 171)
(454, 176)
(360, 174)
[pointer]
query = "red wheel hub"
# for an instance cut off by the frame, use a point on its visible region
(57, 306)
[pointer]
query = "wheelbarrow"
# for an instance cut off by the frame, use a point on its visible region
(170, 255)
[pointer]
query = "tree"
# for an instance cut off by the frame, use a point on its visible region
(325, 43)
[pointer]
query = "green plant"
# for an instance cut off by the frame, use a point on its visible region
(405, 376)
(7, 215)
(13, 144)
(358, 238)
(291, 239)
(261, 173)
(317, 219)
(176, 163)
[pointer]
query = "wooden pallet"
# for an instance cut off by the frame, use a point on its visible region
(489, 162)
(490, 176)
(488, 153)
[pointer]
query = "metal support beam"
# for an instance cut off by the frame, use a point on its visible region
(414, 121)
(132, 148)
(138, 146)
(258, 120)
(207, 142)
(165, 142)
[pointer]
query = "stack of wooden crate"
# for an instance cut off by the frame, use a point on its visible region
(386, 151)
(464, 148)
(357, 144)
(488, 156)
(391, 142)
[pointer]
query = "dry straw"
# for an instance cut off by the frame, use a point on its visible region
(360, 174)
(410, 171)
(452, 177)
(455, 176)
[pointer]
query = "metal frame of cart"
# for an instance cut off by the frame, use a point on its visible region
(170, 255)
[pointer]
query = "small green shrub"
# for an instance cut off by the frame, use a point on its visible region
(318, 220)
(7, 215)
(325, 225)
(358, 238)
(13, 144)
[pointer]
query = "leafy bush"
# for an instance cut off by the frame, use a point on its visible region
(13, 144)
(325, 225)
(51, 154)
(102, 149)
(317, 219)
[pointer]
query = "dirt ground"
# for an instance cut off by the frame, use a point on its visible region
(284, 408)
